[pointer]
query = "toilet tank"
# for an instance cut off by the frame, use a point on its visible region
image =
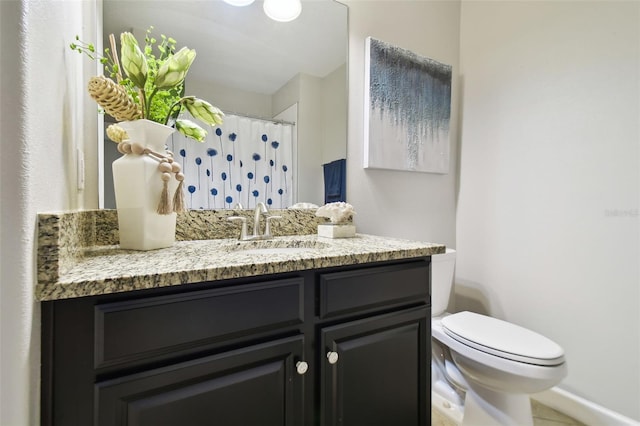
(442, 267)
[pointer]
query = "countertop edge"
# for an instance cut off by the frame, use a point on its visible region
(362, 250)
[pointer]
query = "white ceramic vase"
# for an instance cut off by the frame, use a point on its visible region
(138, 187)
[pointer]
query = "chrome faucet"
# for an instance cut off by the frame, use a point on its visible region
(261, 209)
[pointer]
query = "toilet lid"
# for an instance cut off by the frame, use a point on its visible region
(502, 339)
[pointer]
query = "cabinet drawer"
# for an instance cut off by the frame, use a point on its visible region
(132, 330)
(343, 293)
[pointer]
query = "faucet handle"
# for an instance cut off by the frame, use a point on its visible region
(267, 227)
(243, 229)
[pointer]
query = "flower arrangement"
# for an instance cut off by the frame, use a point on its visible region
(152, 87)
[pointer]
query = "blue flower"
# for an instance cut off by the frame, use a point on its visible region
(219, 133)
(191, 190)
(275, 145)
(198, 162)
(284, 169)
(211, 152)
(256, 157)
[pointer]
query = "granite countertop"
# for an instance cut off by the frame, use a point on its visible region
(104, 269)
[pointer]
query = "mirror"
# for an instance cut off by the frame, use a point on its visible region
(250, 65)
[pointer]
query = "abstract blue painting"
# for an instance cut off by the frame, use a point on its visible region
(407, 110)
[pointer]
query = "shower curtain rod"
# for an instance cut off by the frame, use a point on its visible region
(253, 117)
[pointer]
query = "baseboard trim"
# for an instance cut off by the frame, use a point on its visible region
(581, 409)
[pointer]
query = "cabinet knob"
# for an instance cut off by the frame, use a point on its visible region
(332, 357)
(301, 367)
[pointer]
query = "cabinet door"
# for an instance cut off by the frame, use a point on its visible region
(256, 385)
(375, 371)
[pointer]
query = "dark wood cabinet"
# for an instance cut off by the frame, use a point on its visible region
(374, 369)
(337, 346)
(253, 386)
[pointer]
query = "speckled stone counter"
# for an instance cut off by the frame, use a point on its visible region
(65, 237)
(74, 261)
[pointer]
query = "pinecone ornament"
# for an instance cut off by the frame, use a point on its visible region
(114, 99)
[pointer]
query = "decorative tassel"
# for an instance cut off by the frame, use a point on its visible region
(164, 207)
(178, 197)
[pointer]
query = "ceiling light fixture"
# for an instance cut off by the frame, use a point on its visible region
(239, 2)
(282, 10)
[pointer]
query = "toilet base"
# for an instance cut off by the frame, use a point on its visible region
(488, 408)
(442, 405)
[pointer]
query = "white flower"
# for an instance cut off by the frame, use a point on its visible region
(339, 212)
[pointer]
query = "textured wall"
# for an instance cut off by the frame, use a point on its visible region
(43, 126)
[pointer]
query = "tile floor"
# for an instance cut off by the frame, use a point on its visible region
(542, 416)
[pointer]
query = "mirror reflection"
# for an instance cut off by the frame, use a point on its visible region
(283, 86)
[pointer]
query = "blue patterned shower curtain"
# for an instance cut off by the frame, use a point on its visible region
(243, 161)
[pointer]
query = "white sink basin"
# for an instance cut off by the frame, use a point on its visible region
(277, 247)
(277, 250)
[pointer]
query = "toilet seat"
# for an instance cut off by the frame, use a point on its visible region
(502, 339)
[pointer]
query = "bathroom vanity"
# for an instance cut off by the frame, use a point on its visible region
(217, 332)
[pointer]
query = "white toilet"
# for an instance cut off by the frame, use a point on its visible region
(483, 369)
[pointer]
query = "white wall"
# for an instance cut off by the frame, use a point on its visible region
(334, 115)
(43, 123)
(395, 203)
(305, 90)
(547, 223)
(231, 99)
